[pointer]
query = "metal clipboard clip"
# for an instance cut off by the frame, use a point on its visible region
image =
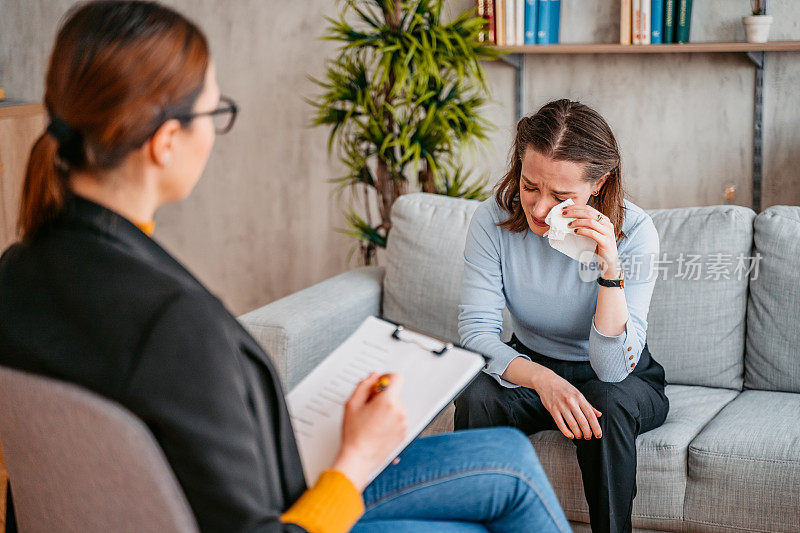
(441, 351)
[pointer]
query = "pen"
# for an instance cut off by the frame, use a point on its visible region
(380, 385)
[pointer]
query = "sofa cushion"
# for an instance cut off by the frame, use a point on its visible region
(425, 261)
(696, 326)
(301, 329)
(771, 357)
(744, 467)
(661, 465)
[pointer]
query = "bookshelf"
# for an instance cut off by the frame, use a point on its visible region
(615, 48)
(755, 52)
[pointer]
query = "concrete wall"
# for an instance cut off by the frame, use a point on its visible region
(260, 223)
(683, 121)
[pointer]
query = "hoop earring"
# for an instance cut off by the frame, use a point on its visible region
(595, 193)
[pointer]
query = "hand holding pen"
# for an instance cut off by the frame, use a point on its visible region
(374, 425)
(380, 385)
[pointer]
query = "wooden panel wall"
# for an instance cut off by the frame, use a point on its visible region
(3, 483)
(20, 126)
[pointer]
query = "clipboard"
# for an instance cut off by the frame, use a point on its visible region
(434, 373)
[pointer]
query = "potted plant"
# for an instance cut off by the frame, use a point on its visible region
(756, 26)
(402, 98)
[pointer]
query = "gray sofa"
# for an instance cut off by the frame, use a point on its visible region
(728, 456)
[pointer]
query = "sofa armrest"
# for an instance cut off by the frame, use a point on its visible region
(298, 331)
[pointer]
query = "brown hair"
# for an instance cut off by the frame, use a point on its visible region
(117, 72)
(566, 131)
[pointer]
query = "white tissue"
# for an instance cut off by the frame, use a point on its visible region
(563, 239)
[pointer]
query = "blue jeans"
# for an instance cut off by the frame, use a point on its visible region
(473, 480)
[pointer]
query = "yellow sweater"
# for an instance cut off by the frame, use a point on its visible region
(332, 505)
(147, 227)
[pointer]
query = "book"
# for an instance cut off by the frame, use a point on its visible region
(434, 372)
(486, 11)
(636, 21)
(500, 21)
(645, 23)
(519, 19)
(656, 21)
(490, 16)
(530, 21)
(625, 22)
(668, 36)
(683, 21)
(555, 21)
(543, 22)
(510, 25)
(481, 12)
(548, 21)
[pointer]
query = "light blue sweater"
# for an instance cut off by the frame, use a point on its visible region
(551, 307)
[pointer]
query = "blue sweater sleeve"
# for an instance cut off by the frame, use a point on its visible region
(480, 319)
(613, 358)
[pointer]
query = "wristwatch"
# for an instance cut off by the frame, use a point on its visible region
(613, 282)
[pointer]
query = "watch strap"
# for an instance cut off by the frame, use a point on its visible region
(611, 282)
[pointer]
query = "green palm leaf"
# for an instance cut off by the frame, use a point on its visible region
(402, 98)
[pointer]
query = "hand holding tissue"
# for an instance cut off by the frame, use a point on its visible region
(563, 239)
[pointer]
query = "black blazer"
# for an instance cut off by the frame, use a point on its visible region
(94, 301)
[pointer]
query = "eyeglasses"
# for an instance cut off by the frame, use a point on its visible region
(223, 116)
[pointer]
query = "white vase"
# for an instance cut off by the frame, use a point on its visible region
(756, 28)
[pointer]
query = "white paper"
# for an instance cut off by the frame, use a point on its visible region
(562, 238)
(430, 382)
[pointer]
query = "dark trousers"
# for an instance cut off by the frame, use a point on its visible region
(608, 465)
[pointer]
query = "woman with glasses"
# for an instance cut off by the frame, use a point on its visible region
(89, 297)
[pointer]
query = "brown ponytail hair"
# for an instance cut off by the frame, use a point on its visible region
(117, 72)
(566, 131)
